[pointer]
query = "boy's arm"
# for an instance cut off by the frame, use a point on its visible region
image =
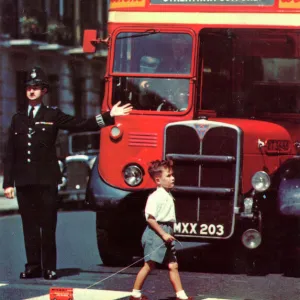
(155, 226)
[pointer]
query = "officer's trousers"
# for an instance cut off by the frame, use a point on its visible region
(38, 209)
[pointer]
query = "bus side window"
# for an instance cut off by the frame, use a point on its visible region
(120, 90)
(126, 90)
(216, 54)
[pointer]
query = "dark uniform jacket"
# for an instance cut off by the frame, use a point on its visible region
(31, 153)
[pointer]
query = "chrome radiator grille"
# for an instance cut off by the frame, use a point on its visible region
(206, 156)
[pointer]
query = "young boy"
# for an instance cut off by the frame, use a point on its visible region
(157, 240)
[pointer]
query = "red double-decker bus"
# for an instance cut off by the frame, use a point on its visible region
(215, 86)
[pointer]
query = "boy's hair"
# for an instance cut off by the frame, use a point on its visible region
(156, 167)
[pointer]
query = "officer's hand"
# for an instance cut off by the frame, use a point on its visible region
(9, 192)
(168, 238)
(118, 110)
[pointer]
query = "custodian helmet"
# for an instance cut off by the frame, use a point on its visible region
(37, 77)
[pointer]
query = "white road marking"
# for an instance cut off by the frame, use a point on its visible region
(216, 299)
(39, 298)
(98, 294)
(91, 294)
(83, 294)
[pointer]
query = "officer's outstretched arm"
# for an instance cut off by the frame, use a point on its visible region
(68, 122)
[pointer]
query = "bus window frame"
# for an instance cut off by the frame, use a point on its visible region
(141, 29)
(190, 76)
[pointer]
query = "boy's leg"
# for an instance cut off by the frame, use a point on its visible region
(176, 281)
(140, 279)
(174, 276)
(142, 275)
(171, 259)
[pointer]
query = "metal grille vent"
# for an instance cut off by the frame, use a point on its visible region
(141, 139)
(77, 174)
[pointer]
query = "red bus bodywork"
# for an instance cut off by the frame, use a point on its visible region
(235, 143)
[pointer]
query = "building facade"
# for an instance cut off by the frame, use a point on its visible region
(48, 33)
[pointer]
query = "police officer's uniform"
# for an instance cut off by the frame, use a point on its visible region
(31, 165)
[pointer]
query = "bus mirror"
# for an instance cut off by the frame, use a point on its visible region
(89, 41)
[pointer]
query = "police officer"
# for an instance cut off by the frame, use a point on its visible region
(31, 166)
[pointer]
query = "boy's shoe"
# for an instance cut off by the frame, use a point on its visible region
(189, 298)
(143, 297)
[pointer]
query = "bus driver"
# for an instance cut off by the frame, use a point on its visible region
(179, 62)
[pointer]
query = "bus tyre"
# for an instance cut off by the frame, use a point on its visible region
(112, 253)
(239, 259)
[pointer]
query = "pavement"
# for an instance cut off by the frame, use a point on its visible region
(7, 206)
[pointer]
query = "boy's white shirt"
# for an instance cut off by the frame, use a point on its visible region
(160, 205)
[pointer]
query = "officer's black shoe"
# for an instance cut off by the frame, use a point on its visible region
(50, 275)
(31, 273)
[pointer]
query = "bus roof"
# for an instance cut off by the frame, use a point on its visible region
(261, 13)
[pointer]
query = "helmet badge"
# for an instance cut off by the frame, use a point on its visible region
(33, 74)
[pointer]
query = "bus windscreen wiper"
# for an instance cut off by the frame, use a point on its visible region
(145, 33)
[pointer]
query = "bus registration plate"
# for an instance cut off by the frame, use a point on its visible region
(278, 146)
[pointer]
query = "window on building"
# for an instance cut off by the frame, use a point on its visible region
(21, 77)
(88, 14)
(53, 93)
(54, 9)
(93, 15)
(9, 19)
(60, 22)
(33, 19)
(79, 95)
(67, 17)
(104, 18)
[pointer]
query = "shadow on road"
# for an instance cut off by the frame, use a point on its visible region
(68, 272)
(227, 259)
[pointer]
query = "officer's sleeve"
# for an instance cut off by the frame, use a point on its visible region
(68, 122)
(8, 180)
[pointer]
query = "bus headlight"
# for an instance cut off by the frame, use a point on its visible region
(261, 181)
(133, 175)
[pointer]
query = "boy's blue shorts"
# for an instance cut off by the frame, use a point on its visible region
(156, 249)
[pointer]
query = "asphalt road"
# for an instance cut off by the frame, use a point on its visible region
(203, 269)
